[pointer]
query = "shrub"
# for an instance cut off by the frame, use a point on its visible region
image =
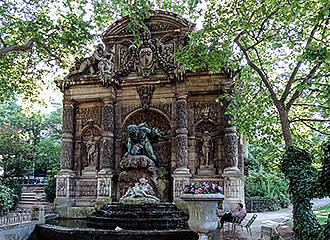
(304, 185)
(6, 198)
(266, 191)
(50, 189)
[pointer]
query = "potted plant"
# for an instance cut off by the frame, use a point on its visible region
(202, 201)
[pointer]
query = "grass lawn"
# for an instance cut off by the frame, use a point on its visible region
(322, 213)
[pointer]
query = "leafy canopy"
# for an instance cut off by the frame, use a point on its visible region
(38, 38)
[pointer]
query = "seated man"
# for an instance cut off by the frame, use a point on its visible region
(233, 216)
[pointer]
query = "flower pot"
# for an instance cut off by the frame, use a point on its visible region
(202, 212)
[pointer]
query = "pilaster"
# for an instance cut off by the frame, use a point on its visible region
(181, 175)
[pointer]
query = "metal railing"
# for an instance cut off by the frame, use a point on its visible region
(18, 216)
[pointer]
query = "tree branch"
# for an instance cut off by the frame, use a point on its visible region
(14, 48)
(296, 69)
(50, 53)
(259, 41)
(310, 105)
(2, 41)
(297, 93)
(257, 69)
(308, 120)
(315, 129)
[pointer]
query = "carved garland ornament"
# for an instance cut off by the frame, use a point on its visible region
(205, 111)
(151, 54)
(145, 92)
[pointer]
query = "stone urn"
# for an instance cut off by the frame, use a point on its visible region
(202, 212)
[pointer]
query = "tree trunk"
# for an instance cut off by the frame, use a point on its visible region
(285, 124)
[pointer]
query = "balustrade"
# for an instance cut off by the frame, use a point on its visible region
(18, 216)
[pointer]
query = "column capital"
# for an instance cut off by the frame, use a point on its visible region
(109, 100)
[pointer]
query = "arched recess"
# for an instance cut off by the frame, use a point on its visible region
(155, 118)
(210, 126)
(90, 138)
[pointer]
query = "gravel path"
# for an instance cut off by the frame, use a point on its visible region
(269, 218)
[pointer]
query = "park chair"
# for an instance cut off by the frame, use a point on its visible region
(246, 223)
(229, 224)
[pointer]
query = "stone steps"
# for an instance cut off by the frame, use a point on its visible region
(32, 195)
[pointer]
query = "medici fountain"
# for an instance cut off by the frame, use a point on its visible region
(137, 129)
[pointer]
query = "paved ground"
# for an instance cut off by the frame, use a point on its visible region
(267, 218)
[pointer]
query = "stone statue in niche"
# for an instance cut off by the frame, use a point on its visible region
(207, 148)
(140, 192)
(206, 167)
(92, 151)
(90, 146)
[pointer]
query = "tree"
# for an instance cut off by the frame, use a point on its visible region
(281, 49)
(28, 140)
(38, 37)
(284, 44)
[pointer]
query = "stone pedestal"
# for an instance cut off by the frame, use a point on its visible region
(89, 171)
(65, 189)
(233, 188)
(206, 171)
(104, 187)
(181, 178)
(136, 167)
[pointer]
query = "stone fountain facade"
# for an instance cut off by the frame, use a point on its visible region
(123, 84)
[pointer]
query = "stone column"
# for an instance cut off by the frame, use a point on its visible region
(107, 144)
(231, 148)
(233, 177)
(65, 180)
(67, 135)
(181, 175)
(104, 176)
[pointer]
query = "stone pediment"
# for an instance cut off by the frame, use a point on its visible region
(120, 60)
(158, 22)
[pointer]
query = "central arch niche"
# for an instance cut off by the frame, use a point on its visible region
(155, 119)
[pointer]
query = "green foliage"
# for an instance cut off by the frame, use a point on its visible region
(283, 65)
(251, 164)
(269, 190)
(28, 141)
(303, 186)
(39, 37)
(50, 189)
(6, 198)
(325, 175)
(325, 231)
(16, 186)
(15, 155)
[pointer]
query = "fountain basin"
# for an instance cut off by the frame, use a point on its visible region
(117, 221)
(55, 232)
(162, 216)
